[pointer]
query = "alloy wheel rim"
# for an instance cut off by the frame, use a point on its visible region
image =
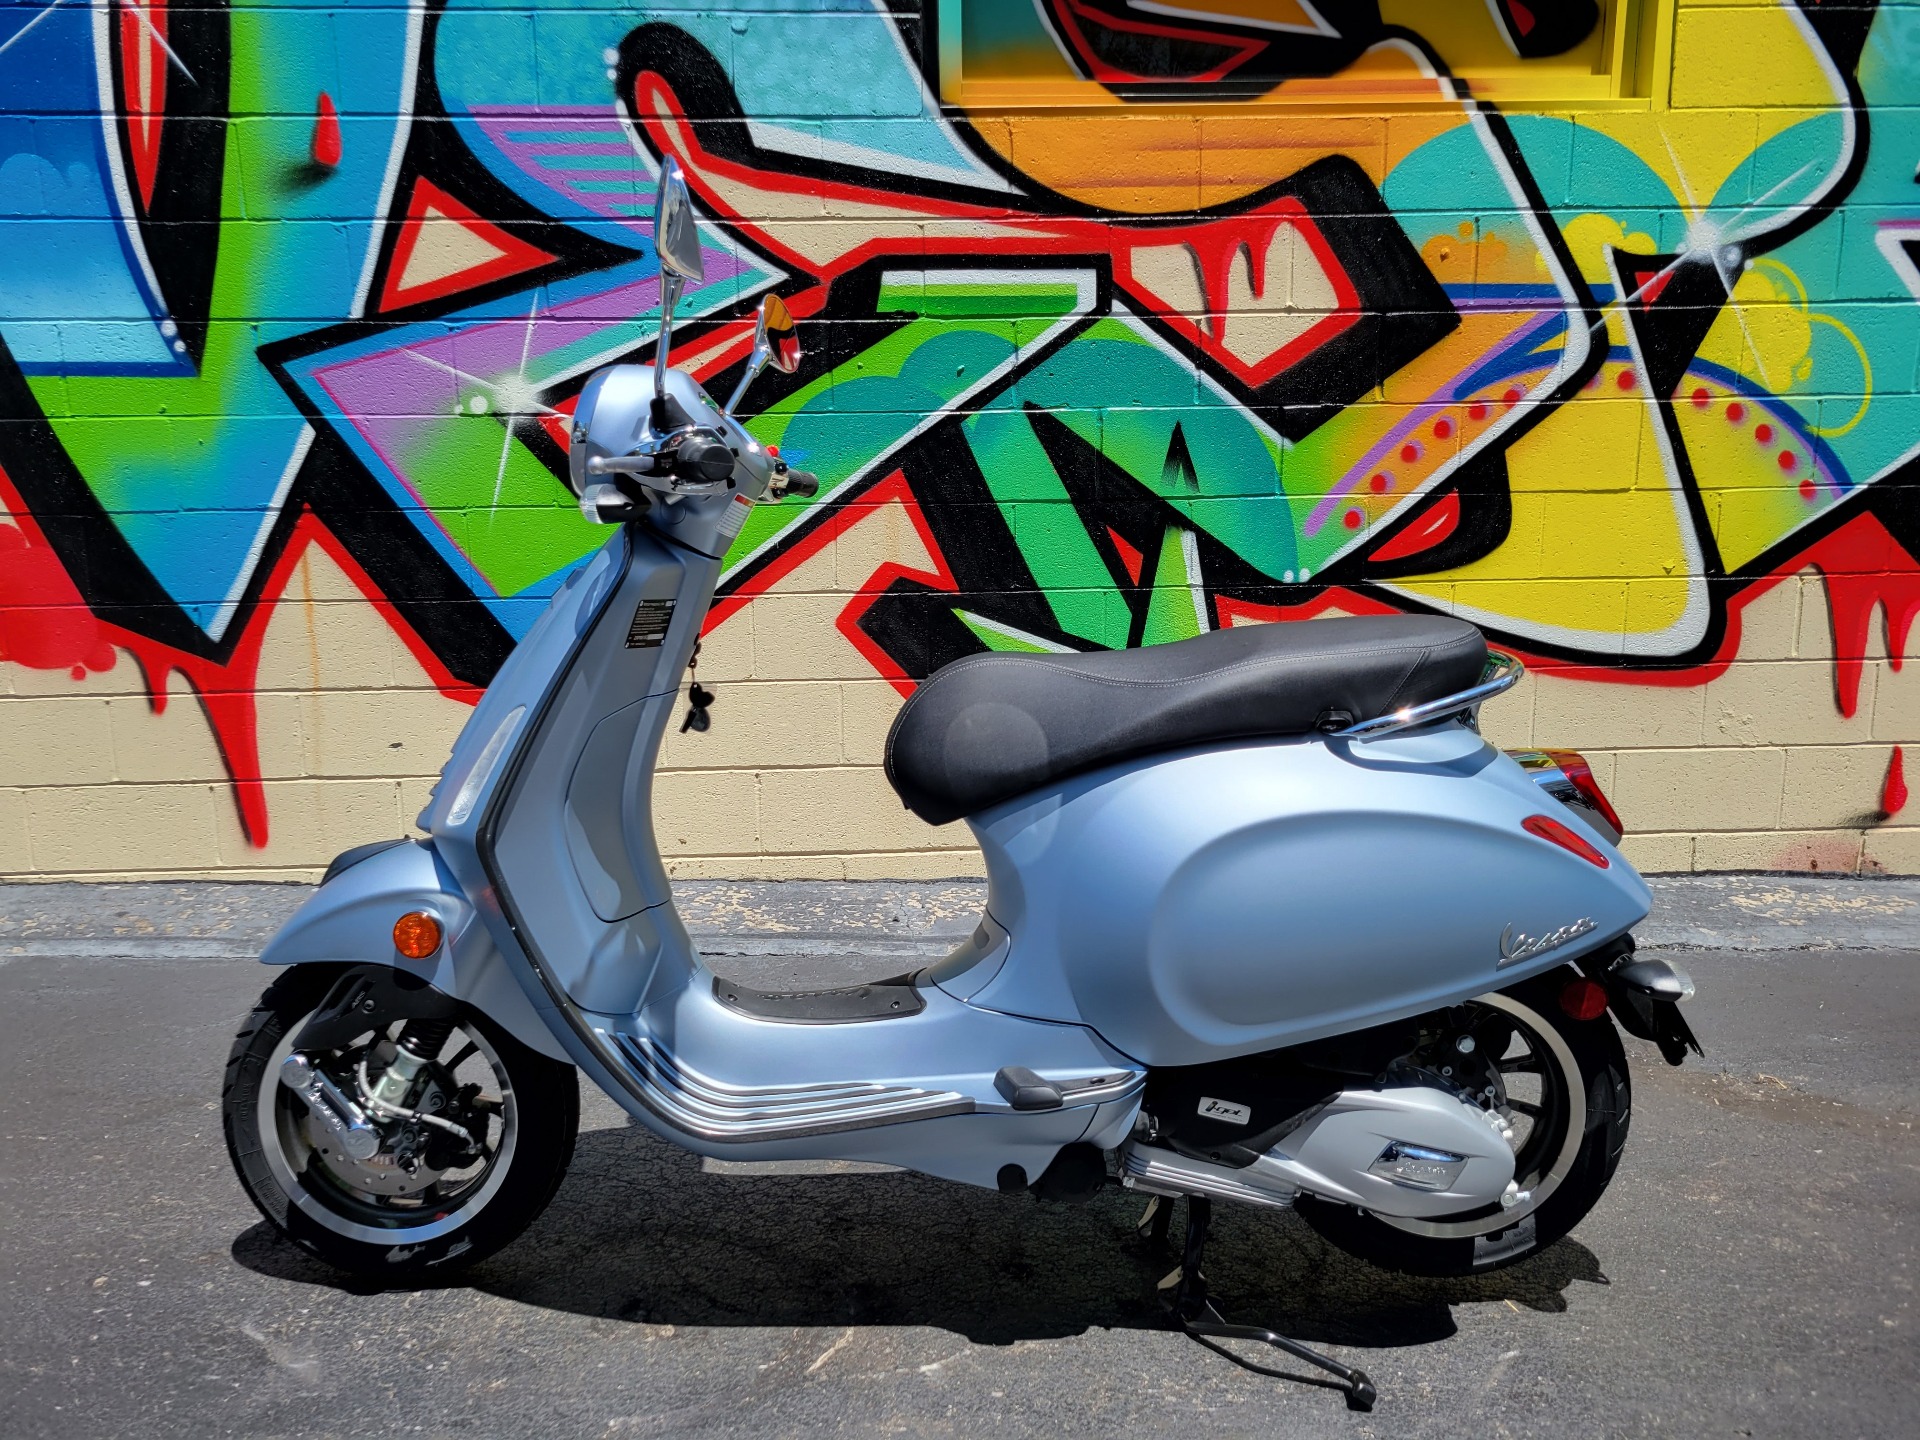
(1554, 1160)
(332, 1201)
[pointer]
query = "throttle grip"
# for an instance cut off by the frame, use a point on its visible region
(703, 459)
(803, 483)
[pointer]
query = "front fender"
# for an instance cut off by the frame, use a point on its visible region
(349, 920)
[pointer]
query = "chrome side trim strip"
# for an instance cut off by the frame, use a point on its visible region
(1503, 672)
(714, 1110)
(1165, 1173)
(1124, 1086)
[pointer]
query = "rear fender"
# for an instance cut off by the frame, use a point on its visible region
(349, 921)
(1644, 996)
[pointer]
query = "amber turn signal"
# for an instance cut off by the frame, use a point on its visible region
(416, 935)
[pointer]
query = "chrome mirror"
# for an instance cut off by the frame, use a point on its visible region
(676, 240)
(776, 342)
(776, 332)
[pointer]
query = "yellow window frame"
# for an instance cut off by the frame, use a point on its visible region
(1625, 66)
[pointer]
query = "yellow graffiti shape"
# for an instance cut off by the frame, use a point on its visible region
(1601, 556)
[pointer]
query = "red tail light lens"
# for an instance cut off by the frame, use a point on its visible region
(1548, 828)
(1579, 774)
(1584, 999)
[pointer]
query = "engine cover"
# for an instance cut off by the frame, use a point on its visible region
(1347, 1152)
(1411, 1151)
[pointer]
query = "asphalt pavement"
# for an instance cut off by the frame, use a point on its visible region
(1749, 1273)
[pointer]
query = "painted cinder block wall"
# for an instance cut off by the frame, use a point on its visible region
(1598, 324)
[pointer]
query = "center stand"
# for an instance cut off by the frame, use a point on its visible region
(1191, 1310)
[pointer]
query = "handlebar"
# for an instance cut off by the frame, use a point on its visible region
(621, 465)
(697, 457)
(803, 483)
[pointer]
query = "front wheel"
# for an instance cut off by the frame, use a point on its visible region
(1562, 1085)
(475, 1151)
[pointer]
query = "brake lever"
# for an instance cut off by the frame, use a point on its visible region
(635, 464)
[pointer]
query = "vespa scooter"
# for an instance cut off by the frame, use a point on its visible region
(1267, 921)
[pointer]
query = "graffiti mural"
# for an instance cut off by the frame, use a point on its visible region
(1585, 321)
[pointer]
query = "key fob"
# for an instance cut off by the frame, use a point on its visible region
(698, 699)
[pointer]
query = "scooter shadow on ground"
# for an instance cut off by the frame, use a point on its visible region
(642, 1232)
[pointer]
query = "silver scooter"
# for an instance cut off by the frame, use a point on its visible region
(1267, 921)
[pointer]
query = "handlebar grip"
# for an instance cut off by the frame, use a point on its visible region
(803, 483)
(703, 459)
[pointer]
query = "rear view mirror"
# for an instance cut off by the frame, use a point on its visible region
(775, 333)
(776, 342)
(676, 237)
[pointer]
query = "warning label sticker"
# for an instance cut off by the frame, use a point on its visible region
(735, 517)
(650, 621)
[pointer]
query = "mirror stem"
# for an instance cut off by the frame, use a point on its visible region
(755, 364)
(670, 286)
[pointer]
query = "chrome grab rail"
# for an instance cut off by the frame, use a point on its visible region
(1503, 672)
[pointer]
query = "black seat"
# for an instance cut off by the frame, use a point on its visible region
(990, 727)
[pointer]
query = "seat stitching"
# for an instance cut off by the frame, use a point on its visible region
(1406, 678)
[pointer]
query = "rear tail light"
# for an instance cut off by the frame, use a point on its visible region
(1550, 829)
(1580, 774)
(1566, 776)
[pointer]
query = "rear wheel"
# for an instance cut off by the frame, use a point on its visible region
(1562, 1084)
(485, 1136)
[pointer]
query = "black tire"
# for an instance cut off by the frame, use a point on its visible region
(546, 1095)
(1594, 1046)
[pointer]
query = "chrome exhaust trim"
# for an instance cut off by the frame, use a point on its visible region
(1153, 1171)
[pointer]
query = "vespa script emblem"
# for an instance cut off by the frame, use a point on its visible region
(1517, 947)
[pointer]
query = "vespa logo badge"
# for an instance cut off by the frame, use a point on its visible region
(1517, 947)
(1225, 1111)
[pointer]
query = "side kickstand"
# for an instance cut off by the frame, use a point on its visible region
(1193, 1312)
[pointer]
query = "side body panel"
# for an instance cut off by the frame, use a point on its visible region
(560, 857)
(1220, 902)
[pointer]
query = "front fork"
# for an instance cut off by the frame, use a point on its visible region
(371, 997)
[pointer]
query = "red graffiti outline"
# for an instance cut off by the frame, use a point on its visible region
(1860, 565)
(1070, 14)
(144, 124)
(516, 255)
(837, 523)
(1215, 242)
(226, 689)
